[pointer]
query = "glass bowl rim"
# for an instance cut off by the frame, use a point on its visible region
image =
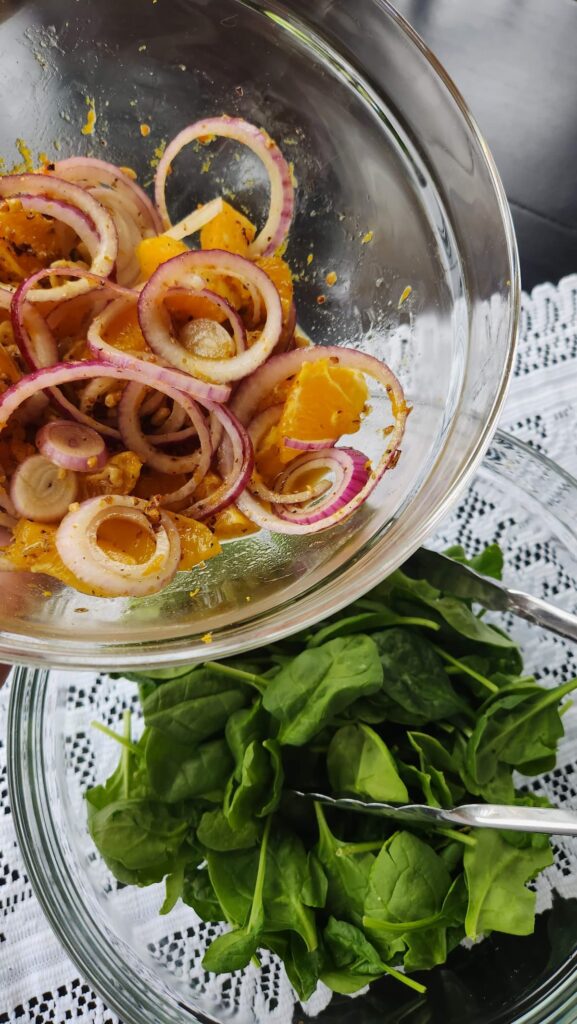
(365, 567)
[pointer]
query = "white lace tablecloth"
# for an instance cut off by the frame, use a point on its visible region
(38, 983)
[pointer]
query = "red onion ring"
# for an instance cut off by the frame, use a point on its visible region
(257, 429)
(280, 367)
(46, 188)
(240, 467)
(72, 446)
(134, 439)
(77, 544)
(280, 213)
(308, 446)
(89, 172)
(134, 365)
(182, 271)
(42, 491)
(352, 475)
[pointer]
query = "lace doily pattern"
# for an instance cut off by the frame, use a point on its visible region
(39, 984)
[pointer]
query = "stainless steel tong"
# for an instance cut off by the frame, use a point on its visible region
(446, 574)
(551, 821)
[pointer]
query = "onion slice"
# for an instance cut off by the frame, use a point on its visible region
(240, 459)
(90, 173)
(135, 366)
(252, 391)
(196, 220)
(72, 446)
(42, 491)
(183, 272)
(78, 547)
(280, 213)
(48, 188)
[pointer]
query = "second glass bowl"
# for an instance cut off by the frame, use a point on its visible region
(149, 967)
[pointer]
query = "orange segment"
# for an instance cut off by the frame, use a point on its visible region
(323, 401)
(151, 252)
(229, 230)
(119, 476)
(33, 548)
(229, 523)
(280, 274)
(29, 241)
(124, 332)
(151, 482)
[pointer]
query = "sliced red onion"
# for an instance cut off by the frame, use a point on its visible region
(135, 366)
(351, 473)
(83, 307)
(251, 393)
(69, 373)
(234, 318)
(182, 271)
(308, 446)
(196, 220)
(48, 188)
(78, 547)
(281, 187)
(240, 464)
(42, 491)
(72, 446)
(134, 439)
(89, 173)
(286, 339)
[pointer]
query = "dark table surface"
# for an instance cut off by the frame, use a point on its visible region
(515, 62)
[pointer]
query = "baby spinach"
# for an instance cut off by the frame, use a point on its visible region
(359, 762)
(497, 872)
(410, 691)
(318, 683)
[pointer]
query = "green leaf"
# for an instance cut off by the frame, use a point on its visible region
(489, 562)
(286, 877)
(198, 893)
(195, 707)
(357, 962)
(231, 951)
(258, 792)
(302, 968)
(215, 832)
(365, 621)
(408, 881)
(138, 834)
(243, 728)
(359, 762)
(520, 727)
(180, 772)
(319, 683)
(174, 883)
(496, 874)
(348, 877)
(315, 885)
(416, 689)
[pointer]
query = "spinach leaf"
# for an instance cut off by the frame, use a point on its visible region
(258, 791)
(138, 834)
(198, 893)
(315, 885)
(359, 762)
(408, 881)
(215, 832)
(348, 876)
(180, 772)
(489, 562)
(319, 683)
(416, 689)
(243, 728)
(195, 707)
(520, 727)
(234, 950)
(354, 960)
(496, 874)
(302, 967)
(364, 622)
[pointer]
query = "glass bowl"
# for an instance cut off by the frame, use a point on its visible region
(396, 188)
(148, 967)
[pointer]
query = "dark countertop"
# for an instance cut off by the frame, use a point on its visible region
(515, 63)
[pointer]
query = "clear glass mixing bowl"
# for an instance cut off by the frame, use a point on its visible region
(381, 143)
(148, 967)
